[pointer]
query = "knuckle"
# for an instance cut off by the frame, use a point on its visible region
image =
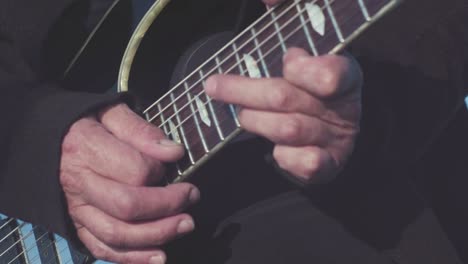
(69, 144)
(127, 206)
(280, 97)
(291, 130)
(166, 204)
(160, 236)
(99, 251)
(290, 68)
(141, 171)
(144, 130)
(71, 182)
(111, 234)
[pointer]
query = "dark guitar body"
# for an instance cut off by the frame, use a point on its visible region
(176, 29)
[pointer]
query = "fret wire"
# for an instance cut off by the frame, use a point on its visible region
(213, 113)
(13, 231)
(239, 61)
(59, 253)
(163, 123)
(182, 131)
(224, 48)
(267, 53)
(24, 237)
(147, 116)
(259, 52)
(239, 64)
(333, 19)
(278, 32)
(52, 242)
(197, 124)
(18, 241)
(6, 223)
(26, 250)
(231, 106)
(306, 29)
(65, 247)
(169, 133)
(364, 10)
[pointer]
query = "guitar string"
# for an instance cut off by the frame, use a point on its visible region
(255, 49)
(40, 252)
(52, 242)
(229, 56)
(12, 232)
(242, 72)
(18, 241)
(6, 223)
(23, 237)
(26, 250)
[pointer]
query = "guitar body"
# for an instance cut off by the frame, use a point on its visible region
(140, 56)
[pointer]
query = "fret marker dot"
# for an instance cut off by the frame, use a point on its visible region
(317, 17)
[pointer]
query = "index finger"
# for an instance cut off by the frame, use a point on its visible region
(131, 203)
(268, 94)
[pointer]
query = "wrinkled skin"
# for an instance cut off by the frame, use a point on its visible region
(111, 159)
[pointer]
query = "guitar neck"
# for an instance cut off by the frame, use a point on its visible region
(23, 243)
(187, 115)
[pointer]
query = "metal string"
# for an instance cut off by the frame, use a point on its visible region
(226, 58)
(242, 72)
(6, 223)
(52, 242)
(26, 250)
(12, 232)
(18, 241)
(189, 101)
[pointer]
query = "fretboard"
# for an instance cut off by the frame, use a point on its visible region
(23, 243)
(187, 115)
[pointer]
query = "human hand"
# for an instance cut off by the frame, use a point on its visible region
(312, 113)
(108, 165)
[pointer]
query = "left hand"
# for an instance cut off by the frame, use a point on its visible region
(312, 114)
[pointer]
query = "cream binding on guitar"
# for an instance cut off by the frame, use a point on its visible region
(189, 116)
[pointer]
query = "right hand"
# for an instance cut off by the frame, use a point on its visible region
(108, 165)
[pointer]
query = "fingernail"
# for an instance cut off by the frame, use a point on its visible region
(168, 142)
(194, 195)
(158, 259)
(185, 226)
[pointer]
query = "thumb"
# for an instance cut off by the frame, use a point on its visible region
(145, 137)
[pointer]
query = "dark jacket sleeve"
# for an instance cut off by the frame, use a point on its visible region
(35, 116)
(415, 78)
